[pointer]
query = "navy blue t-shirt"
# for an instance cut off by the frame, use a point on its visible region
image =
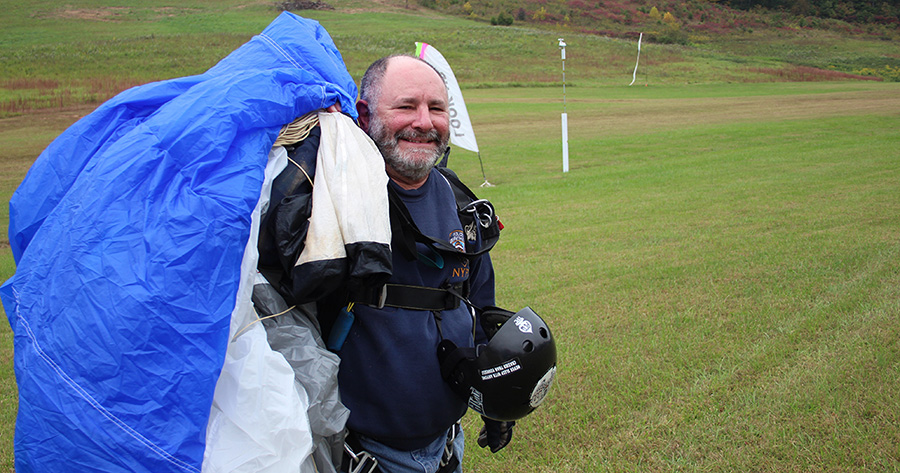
(390, 378)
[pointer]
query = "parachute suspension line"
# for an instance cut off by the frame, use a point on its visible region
(301, 170)
(260, 319)
(485, 183)
(297, 130)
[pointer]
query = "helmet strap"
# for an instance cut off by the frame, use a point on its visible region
(449, 356)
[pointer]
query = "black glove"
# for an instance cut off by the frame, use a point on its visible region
(495, 434)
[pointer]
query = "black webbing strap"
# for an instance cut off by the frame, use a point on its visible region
(449, 355)
(449, 461)
(465, 198)
(419, 298)
(414, 297)
(407, 234)
(357, 460)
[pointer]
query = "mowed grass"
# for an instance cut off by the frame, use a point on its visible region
(724, 290)
(720, 267)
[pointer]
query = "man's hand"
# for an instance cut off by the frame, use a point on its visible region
(495, 434)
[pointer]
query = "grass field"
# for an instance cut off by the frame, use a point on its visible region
(724, 286)
(720, 267)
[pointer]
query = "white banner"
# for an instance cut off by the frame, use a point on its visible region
(461, 132)
(634, 77)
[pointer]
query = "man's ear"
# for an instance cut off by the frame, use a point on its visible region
(362, 108)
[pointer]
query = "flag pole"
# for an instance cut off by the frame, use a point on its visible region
(565, 116)
(485, 183)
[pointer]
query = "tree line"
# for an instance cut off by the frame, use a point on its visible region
(857, 11)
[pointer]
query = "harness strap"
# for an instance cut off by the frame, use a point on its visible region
(406, 233)
(449, 461)
(449, 356)
(419, 298)
(414, 297)
(357, 460)
(468, 203)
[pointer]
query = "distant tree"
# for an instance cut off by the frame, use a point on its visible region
(849, 10)
(502, 20)
(521, 15)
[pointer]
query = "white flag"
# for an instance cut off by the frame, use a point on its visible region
(461, 132)
(634, 77)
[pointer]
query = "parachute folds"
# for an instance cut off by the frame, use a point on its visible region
(129, 233)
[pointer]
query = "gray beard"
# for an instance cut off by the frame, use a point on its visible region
(411, 164)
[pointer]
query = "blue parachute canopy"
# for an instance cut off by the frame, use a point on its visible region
(128, 234)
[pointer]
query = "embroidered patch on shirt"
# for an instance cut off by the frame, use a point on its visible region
(470, 232)
(458, 240)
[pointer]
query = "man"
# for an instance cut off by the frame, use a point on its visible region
(402, 410)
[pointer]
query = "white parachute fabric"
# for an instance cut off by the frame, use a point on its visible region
(461, 132)
(258, 421)
(349, 202)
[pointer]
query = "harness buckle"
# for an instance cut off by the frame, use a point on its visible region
(362, 462)
(381, 298)
(448, 447)
(448, 461)
(482, 210)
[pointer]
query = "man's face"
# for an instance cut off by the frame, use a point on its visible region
(410, 124)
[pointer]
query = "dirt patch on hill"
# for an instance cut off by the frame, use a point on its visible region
(389, 6)
(109, 13)
(94, 14)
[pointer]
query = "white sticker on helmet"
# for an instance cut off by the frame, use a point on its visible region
(542, 388)
(524, 325)
(510, 366)
(476, 401)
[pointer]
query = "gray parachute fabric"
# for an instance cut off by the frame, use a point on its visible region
(296, 335)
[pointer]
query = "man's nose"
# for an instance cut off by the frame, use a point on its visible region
(423, 120)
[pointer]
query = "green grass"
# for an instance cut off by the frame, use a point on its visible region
(724, 294)
(721, 265)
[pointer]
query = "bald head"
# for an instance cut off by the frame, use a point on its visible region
(372, 80)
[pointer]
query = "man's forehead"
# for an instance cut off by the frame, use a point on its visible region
(410, 63)
(405, 73)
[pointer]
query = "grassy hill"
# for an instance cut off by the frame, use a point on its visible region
(59, 54)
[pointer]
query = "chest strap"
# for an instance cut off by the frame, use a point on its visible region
(416, 297)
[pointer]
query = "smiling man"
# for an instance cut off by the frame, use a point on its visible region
(402, 410)
(404, 108)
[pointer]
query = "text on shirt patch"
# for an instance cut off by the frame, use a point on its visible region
(462, 271)
(457, 240)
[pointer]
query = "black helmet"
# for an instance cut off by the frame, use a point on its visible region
(511, 375)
